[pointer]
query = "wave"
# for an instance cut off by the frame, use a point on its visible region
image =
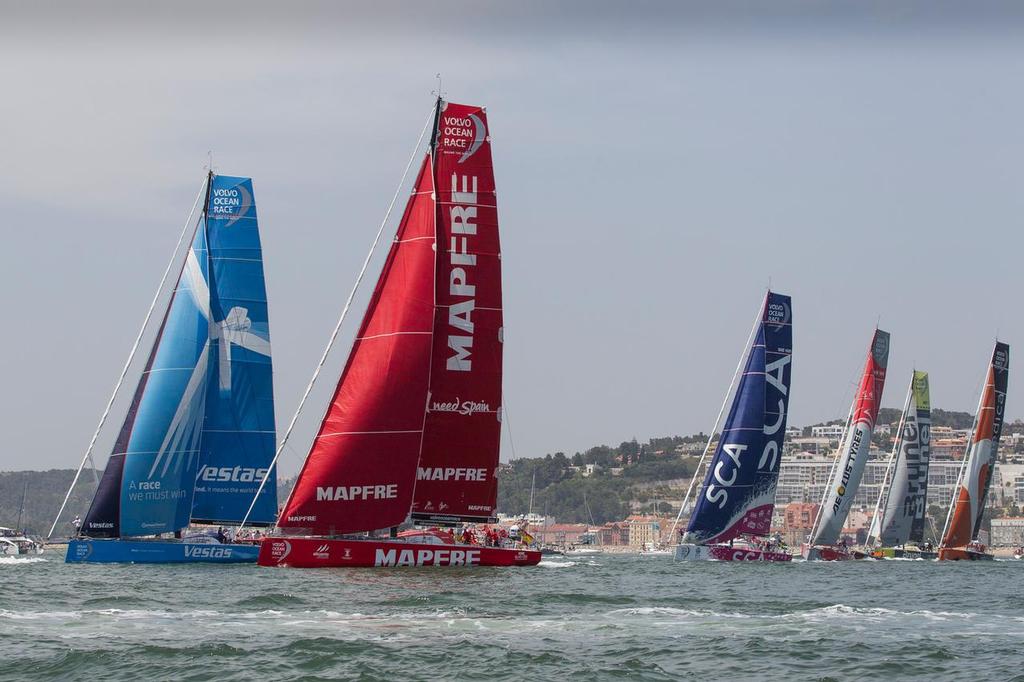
(20, 561)
(554, 563)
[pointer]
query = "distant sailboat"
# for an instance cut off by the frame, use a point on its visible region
(898, 524)
(960, 535)
(413, 429)
(851, 458)
(737, 497)
(198, 437)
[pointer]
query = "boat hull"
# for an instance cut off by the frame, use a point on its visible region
(157, 552)
(830, 553)
(384, 553)
(963, 554)
(692, 552)
(903, 553)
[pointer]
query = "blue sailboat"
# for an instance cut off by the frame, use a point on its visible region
(199, 435)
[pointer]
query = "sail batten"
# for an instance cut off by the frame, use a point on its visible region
(738, 493)
(855, 446)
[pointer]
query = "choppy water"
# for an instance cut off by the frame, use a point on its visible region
(594, 617)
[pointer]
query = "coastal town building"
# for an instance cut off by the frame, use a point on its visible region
(1007, 532)
(644, 530)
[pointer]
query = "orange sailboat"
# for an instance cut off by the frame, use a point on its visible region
(960, 535)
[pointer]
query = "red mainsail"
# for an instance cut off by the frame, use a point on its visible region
(360, 472)
(456, 475)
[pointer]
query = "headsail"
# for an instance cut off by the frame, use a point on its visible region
(161, 432)
(904, 514)
(359, 474)
(976, 472)
(855, 446)
(456, 475)
(238, 436)
(738, 495)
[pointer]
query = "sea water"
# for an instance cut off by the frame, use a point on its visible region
(581, 617)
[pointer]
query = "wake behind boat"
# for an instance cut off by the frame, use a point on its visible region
(198, 437)
(414, 428)
(737, 497)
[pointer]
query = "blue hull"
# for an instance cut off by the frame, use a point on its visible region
(158, 552)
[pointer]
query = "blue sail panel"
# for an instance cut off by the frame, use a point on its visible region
(738, 494)
(162, 433)
(238, 436)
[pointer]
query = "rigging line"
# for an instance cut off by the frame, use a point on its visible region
(508, 423)
(721, 411)
(131, 356)
(337, 327)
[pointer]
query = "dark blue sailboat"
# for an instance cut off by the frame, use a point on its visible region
(199, 435)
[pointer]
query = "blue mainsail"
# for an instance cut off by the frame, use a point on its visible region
(738, 494)
(238, 436)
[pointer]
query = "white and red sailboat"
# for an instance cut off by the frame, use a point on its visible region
(852, 456)
(413, 429)
(732, 512)
(960, 535)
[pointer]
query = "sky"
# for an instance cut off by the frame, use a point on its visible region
(658, 166)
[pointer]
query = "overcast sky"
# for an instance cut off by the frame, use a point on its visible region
(657, 165)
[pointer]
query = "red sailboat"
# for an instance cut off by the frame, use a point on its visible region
(414, 426)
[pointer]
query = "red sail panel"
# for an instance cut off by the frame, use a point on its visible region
(456, 478)
(360, 472)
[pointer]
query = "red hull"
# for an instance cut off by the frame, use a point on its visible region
(383, 553)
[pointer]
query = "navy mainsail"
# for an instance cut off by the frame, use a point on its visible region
(738, 494)
(238, 435)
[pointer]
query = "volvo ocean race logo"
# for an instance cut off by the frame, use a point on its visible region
(462, 134)
(777, 314)
(232, 202)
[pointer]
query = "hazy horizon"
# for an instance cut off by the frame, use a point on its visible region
(657, 165)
